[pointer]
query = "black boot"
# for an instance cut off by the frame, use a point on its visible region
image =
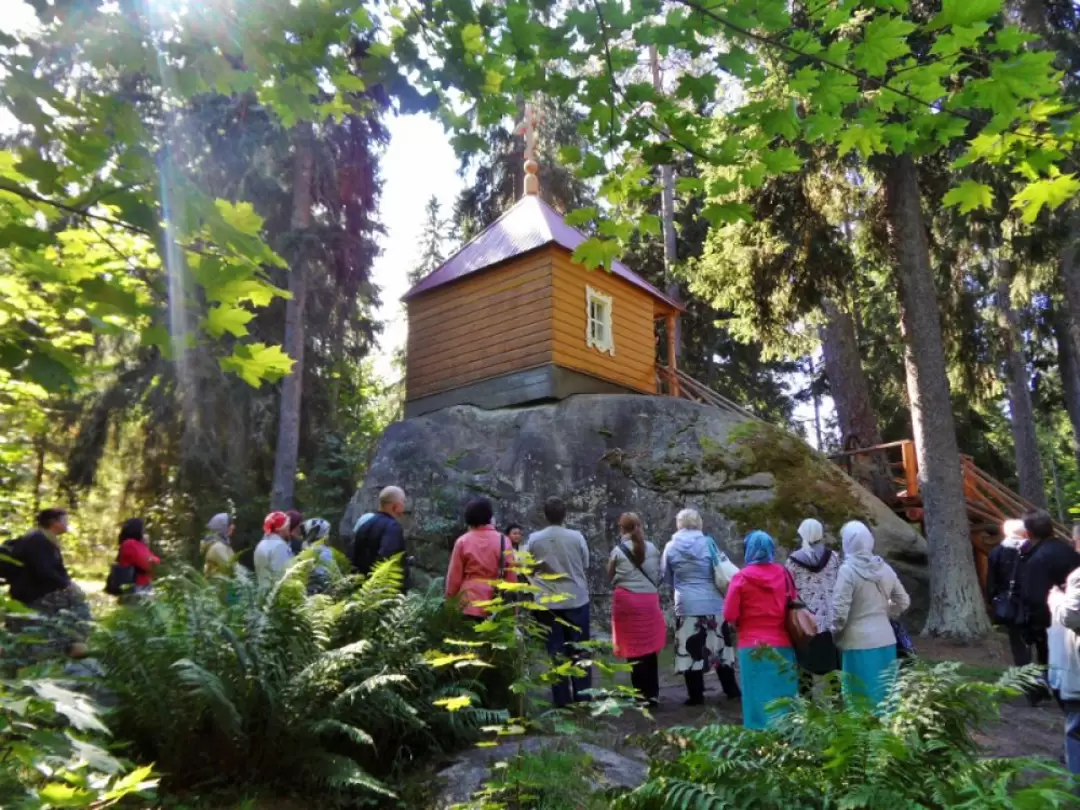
(695, 688)
(728, 682)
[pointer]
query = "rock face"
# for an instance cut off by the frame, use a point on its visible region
(609, 454)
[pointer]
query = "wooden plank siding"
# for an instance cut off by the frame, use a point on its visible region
(483, 326)
(634, 363)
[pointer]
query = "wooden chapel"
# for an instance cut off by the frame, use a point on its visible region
(511, 320)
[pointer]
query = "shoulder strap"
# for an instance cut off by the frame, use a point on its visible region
(502, 556)
(633, 562)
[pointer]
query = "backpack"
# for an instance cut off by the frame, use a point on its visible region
(9, 561)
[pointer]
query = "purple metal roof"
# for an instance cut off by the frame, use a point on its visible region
(530, 224)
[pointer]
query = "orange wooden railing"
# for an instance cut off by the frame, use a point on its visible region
(989, 502)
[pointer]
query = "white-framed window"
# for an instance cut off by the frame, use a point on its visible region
(598, 332)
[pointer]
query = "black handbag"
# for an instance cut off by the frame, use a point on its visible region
(121, 579)
(820, 655)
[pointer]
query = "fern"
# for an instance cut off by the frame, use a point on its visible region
(919, 753)
(214, 680)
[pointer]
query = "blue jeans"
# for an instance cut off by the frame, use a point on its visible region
(1072, 742)
(560, 643)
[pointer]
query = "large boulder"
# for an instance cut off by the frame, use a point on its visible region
(609, 454)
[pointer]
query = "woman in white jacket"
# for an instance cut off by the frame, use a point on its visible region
(868, 592)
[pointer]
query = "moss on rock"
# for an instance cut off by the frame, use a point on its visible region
(806, 484)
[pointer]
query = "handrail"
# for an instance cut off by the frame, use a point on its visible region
(686, 387)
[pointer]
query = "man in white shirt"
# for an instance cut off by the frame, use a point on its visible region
(564, 553)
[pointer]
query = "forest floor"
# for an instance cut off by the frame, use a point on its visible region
(1021, 731)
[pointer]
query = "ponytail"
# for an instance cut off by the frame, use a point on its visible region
(630, 526)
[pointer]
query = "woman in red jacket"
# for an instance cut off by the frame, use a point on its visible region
(756, 604)
(136, 554)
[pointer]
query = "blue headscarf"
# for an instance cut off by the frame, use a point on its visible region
(760, 548)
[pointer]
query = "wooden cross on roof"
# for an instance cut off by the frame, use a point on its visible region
(528, 129)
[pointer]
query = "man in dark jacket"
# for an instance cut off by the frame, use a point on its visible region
(381, 537)
(39, 579)
(1045, 563)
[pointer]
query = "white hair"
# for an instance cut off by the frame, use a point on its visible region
(391, 495)
(688, 519)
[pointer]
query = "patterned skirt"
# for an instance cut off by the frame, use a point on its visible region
(702, 643)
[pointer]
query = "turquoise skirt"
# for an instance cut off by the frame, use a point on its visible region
(868, 674)
(766, 674)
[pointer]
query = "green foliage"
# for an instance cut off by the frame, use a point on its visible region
(556, 778)
(918, 753)
(56, 748)
(337, 683)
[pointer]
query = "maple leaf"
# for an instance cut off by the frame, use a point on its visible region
(222, 319)
(255, 362)
(1052, 192)
(867, 139)
(779, 161)
(723, 213)
(596, 252)
(965, 12)
(884, 39)
(969, 196)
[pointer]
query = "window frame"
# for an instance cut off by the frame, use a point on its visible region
(606, 344)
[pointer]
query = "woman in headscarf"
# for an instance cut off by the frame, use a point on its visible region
(216, 546)
(756, 605)
(868, 592)
(272, 554)
(135, 553)
(638, 629)
(312, 531)
(814, 567)
(1003, 590)
(702, 642)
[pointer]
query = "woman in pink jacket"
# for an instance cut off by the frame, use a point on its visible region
(480, 556)
(756, 604)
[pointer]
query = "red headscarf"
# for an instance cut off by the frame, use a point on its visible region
(275, 522)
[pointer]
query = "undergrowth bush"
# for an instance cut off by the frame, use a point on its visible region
(226, 683)
(54, 747)
(918, 753)
(548, 779)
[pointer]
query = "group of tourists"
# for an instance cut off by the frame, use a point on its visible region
(735, 622)
(722, 615)
(1033, 583)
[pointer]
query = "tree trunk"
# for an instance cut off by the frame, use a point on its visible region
(850, 391)
(39, 472)
(1021, 412)
(288, 442)
(1069, 368)
(667, 216)
(956, 603)
(1070, 275)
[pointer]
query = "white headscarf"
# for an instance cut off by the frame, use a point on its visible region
(858, 545)
(812, 534)
(1015, 533)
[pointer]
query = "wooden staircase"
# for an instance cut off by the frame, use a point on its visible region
(989, 502)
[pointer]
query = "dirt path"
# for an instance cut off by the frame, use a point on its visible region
(1021, 731)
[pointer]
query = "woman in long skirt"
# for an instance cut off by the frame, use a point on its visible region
(701, 643)
(756, 604)
(638, 629)
(868, 592)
